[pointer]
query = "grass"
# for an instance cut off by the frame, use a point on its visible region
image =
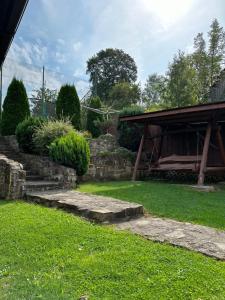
(50, 254)
(168, 200)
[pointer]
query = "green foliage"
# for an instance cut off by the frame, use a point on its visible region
(201, 64)
(71, 150)
(93, 118)
(109, 67)
(130, 134)
(68, 105)
(155, 90)
(124, 94)
(49, 131)
(182, 83)
(216, 49)
(25, 132)
(15, 107)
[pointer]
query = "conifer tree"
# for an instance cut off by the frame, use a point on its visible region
(15, 107)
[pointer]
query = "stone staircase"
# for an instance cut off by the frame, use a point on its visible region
(34, 182)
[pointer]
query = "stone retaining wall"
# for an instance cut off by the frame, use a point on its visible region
(108, 160)
(12, 179)
(46, 167)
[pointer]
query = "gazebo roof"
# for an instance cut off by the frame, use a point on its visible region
(191, 114)
(11, 12)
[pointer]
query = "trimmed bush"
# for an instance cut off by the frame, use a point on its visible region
(93, 118)
(15, 107)
(130, 134)
(25, 133)
(68, 105)
(71, 150)
(48, 132)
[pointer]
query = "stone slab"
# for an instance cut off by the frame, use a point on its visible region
(98, 208)
(206, 240)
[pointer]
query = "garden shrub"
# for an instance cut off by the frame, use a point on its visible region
(15, 107)
(71, 150)
(130, 133)
(25, 133)
(48, 132)
(93, 118)
(68, 105)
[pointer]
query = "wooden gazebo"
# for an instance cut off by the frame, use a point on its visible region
(189, 139)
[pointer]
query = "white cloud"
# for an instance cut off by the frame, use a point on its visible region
(61, 41)
(60, 57)
(77, 46)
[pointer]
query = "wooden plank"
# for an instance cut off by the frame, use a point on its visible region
(220, 144)
(179, 159)
(201, 176)
(139, 153)
(215, 169)
(175, 167)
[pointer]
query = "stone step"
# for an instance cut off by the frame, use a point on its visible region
(97, 208)
(41, 185)
(34, 177)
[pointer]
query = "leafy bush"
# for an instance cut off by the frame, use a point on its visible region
(25, 132)
(68, 105)
(48, 132)
(15, 107)
(130, 133)
(71, 150)
(93, 118)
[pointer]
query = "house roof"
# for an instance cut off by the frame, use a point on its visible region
(190, 114)
(11, 12)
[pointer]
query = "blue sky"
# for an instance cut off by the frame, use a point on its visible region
(62, 35)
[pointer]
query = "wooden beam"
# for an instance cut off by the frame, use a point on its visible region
(201, 176)
(220, 144)
(139, 154)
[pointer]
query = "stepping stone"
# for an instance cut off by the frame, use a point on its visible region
(203, 239)
(97, 208)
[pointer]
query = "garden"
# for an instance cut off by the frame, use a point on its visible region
(52, 254)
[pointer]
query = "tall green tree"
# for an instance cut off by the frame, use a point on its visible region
(216, 49)
(15, 107)
(182, 85)
(201, 64)
(124, 94)
(68, 105)
(109, 67)
(155, 90)
(93, 118)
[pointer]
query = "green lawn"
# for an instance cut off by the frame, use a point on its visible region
(50, 254)
(167, 200)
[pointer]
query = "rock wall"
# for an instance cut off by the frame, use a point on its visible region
(108, 160)
(45, 167)
(12, 179)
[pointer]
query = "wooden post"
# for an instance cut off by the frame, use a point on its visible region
(139, 154)
(220, 144)
(201, 176)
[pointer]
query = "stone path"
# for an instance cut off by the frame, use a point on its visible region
(92, 207)
(199, 238)
(129, 216)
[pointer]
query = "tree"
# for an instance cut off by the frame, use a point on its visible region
(201, 64)
(50, 97)
(182, 84)
(15, 107)
(93, 118)
(68, 105)
(109, 67)
(124, 94)
(216, 49)
(155, 90)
